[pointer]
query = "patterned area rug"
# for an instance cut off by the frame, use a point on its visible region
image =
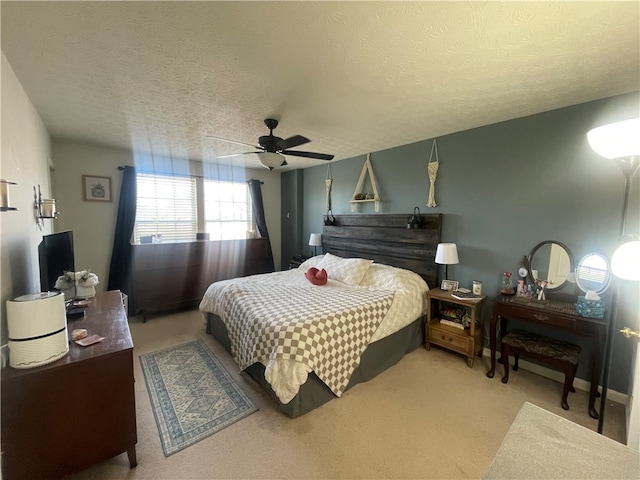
(192, 395)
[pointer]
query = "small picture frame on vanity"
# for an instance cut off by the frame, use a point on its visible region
(449, 285)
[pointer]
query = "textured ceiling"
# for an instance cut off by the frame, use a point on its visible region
(354, 77)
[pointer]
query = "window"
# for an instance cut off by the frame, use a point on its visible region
(227, 210)
(168, 206)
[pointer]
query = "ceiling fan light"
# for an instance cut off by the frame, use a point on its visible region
(271, 160)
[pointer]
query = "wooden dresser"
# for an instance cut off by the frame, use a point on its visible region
(78, 411)
(174, 275)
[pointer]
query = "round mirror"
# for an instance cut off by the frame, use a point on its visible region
(592, 273)
(552, 262)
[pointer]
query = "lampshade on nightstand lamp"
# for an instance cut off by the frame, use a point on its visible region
(447, 254)
(315, 241)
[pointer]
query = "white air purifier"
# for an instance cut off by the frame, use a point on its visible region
(37, 325)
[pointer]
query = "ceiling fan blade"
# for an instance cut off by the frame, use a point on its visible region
(236, 154)
(290, 142)
(232, 141)
(319, 156)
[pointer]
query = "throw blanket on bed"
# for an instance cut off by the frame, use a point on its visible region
(325, 328)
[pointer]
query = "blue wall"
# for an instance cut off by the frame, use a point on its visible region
(502, 189)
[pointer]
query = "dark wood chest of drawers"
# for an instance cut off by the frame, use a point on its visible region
(175, 275)
(78, 411)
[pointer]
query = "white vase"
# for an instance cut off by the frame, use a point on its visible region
(85, 292)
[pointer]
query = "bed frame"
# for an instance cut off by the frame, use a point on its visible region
(383, 239)
(386, 239)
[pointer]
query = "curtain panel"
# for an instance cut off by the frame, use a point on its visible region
(121, 267)
(255, 189)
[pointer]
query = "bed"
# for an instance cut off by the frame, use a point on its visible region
(307, 344)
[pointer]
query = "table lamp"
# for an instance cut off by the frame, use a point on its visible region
(447, 254)
(315, 241)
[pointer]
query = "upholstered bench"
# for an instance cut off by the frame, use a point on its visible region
(557, 354)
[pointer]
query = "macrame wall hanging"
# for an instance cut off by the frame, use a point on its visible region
(328, 183)
(432, 168)
(359, 196)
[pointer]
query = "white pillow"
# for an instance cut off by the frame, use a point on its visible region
(346, 270)
(311, 262)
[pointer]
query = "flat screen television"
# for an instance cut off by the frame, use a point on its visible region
(55, 254)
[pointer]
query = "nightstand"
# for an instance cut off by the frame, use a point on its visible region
(296, 261)
(467, 341)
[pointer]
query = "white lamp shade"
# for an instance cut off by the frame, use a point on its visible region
(447, 254)
(616, 140)
(625, 262)
(315, 240)
(271, 160)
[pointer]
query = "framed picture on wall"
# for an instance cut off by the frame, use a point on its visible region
(96, 189)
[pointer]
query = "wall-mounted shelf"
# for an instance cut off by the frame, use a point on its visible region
(366, 168)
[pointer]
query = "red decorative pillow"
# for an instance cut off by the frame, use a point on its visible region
(315, 276)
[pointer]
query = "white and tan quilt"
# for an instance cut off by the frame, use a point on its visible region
(326, 329)
(294, 327)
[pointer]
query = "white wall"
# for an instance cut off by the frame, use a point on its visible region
(93, 223)
(26, 150)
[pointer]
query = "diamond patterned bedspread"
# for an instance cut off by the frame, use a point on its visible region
(287, 375)
(325, 328)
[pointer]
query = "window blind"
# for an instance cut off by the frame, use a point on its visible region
(592, 274)
(166, 205)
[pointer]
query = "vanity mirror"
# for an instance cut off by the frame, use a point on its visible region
(552, 262)
(592, 273)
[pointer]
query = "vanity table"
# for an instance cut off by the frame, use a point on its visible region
(556, 315)
(551, 265)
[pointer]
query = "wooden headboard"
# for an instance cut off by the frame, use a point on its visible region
(385, 238)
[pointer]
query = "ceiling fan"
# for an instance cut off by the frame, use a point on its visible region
(272, 148)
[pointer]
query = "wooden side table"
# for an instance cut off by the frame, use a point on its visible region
(78, 411)
(296, 261)
(465, 341)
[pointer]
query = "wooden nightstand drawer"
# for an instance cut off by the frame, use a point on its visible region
(449, 337)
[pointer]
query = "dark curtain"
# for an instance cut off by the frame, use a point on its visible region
(255, 189)
(121, 268)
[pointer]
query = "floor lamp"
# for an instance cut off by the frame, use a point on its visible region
(620, 142)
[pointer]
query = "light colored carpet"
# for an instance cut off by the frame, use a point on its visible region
(541, 445)
(192, 394)
(429, 416)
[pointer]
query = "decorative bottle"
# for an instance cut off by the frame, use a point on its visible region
(506, 286)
